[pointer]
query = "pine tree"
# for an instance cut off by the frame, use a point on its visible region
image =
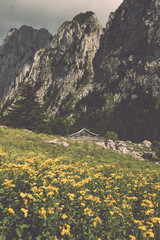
(26, 112)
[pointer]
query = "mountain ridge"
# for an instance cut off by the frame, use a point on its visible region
(63, 54)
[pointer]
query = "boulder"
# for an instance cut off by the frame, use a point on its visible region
(56, 141)
(121, 147)
(51, 141)
(136, 154)
(111, 144)
(64, 144)
(2, 126)
(102, 144)
(147, 143)
(27, 130)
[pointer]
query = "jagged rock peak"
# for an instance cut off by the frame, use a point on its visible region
(27, 33)
(129, 53)
(87, 22)
(134, 20)
(144, 3)
(84, 17)
(67, 62)
(57, 66)
(17, 55)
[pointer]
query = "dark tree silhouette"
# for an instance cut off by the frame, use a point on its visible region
(26, 112)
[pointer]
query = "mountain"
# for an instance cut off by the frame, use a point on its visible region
(126, 96)
(107, 78)
(59, 67)
(16, 58)
(63, 71)
(129, 52)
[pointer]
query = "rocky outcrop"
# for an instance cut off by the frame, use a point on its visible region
(147, 144)
(119, 146)
(57, 142)
(138, 150)
(59, 67)
(63, 71)
(17, 56)
(82, 56)
(129, 52)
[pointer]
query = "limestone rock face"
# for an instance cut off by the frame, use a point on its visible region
(82, 56)
(59, 67)
(16, 58)
(129, 53)
(63, 71)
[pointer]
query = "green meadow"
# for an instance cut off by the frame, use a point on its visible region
(82, 191)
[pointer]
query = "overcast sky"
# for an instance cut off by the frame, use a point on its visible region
(49, 14)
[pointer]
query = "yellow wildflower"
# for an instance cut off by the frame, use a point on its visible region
(93, 198)
(71, 196)
(97, 220)
(51, 210)
(138, 221)
(8, 183)
(23, 195)
(64, 216)
(42, 212)
(132, 237)
(95, 224)
(88, 212)
(83, 204)
(11, 210)
(149, 234)
(25, 211)
(142, 228)
(66, 230)
(155, 219)
(149, 211)
(147, 203)
(150, 224)
(111, 212)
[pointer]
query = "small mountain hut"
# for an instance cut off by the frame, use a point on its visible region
(84, 134)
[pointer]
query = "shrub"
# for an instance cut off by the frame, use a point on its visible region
(156, 148)
(111, 135)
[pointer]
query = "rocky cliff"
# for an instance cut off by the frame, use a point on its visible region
(61, 69)
(129, 52)
(17, 56)
(82, 56)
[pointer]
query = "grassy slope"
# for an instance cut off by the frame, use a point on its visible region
(17, 143)
(86, 194)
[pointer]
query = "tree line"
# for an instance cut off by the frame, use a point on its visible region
(135, 118)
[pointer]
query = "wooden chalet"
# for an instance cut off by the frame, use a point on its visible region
(84, 134)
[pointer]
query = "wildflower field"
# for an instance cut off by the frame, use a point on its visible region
(75, 193)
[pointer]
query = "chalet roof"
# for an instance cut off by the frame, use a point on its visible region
(84, 129)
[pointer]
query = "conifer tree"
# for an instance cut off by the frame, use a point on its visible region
(26, 112)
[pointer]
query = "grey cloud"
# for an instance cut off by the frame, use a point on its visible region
(49, 14)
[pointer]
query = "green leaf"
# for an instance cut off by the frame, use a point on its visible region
(5, 221)
(38, 238)
(24, 226)
(18, 232)
(1, 206)
(1, 190)
(2, 237)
